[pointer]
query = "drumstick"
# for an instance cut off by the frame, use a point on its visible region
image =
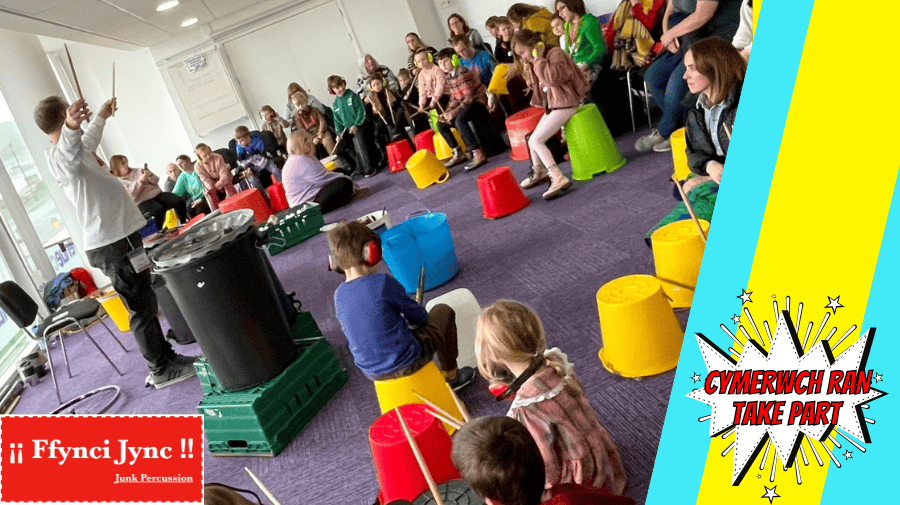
(74, 75)
(690, 210)
(435, 407)
(459, 404)
(438, 498)
(443, 419)
(727, 131)
(263, 488)
(114, 86)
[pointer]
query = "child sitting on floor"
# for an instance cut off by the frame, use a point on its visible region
(511, 348)
(376, 314)
(252, 155)
(499, 460)
(352, 128)
(468, 103)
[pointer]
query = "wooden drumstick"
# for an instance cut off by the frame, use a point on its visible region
(438, 498)
(459, 404)
(114, 86)
(74, 75)
(263, 488)
(687, 204)
(435, 407)
(443, 419)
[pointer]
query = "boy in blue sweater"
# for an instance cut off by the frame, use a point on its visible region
(390, 335)
(251, 154)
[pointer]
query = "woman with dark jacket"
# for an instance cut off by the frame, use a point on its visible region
(715, 73)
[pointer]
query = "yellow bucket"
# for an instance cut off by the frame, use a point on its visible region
(330, 163)
(425, 169)
(428, 382)
(171, 220)
(498, 80)
(641, 335)
(113, 306)
(442, 149)
(677, 252)
(679, 154)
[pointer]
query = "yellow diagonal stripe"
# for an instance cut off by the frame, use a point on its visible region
(825, 216)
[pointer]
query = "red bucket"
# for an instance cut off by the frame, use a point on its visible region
(425, 140)
(278, 197)
(250, 199)
(398, 153)
(518, 127)
(500, 193)
(398, 473)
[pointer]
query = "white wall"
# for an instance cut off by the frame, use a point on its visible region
(146, 129)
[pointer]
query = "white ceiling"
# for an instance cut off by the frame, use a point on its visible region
(113, 22)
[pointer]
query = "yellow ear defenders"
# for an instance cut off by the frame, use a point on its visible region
(383, 83)
(455, 60)
(430, 57)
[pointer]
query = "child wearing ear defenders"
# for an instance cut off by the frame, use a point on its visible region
(468, 103)
(376, 314)
(511, 348)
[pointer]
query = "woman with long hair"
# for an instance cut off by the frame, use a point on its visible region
(414, 43)
(458, 26)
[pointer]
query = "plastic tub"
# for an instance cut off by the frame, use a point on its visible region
(381, 223)
(422, 240)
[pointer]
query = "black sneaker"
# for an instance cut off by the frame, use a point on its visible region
(464, 377)
(184, 360)
(172, 373)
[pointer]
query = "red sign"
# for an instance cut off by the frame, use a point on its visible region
(59, 459)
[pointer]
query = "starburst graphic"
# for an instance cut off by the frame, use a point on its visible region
(736, 319)
(745, 296)
(834, 304)
(821, 395)
(878, 377)
(696, 377)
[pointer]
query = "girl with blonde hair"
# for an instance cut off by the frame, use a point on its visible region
(547, 397)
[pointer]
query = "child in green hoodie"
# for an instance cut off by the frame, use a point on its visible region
(351, 127)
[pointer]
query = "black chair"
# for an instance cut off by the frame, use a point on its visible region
(23, 310)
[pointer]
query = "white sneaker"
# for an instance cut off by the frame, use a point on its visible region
(664, 146)
(647, 142)
(537, 176)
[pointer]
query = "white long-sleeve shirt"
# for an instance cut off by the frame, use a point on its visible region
(103, 206)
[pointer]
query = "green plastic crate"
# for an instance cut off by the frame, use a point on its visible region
(305, 327)
(262, 421)
(304, 222)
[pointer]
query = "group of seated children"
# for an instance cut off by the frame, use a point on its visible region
(392, 336)
(143, 186)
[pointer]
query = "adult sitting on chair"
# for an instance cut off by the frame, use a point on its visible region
(143, 186)
(306, 179)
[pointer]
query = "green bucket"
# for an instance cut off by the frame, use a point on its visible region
(591, 146)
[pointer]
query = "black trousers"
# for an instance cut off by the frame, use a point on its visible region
(159, 204)
(335, 194)
(136, 291)
(201, 208)
(362, 142)
(478, 116)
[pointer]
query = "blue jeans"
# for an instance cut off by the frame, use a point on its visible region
(665, 77)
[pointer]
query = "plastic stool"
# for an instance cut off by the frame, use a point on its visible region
(591, 146)
(398, 153)
(677, 252)
(428, 382)
(640, 333)
(399, 476)
(425, 140)
(500, 193)
(467, 309)
(518, 127)
(278, 197)
(442, 149)
(114, 306)
(250, 199)
(679, 154)
(425, 169)
(497, 85)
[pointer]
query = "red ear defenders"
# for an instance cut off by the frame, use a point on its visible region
(503, 391)
(371, 255)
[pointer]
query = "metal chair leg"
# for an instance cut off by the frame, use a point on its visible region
(88, 335)
(62, 344)
(630, 100)
(52, 374)
(113, 335)
(647, 104)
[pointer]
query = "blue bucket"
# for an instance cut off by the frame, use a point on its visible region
(421, 240)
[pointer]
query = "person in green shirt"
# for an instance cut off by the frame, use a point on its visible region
(188, 185)
(353, 129)
(582, 39)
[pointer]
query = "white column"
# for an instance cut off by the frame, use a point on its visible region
(28, 78)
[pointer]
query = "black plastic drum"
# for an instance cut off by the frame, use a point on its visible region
(225, 290)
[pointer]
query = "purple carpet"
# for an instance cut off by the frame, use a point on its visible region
(552, 255)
